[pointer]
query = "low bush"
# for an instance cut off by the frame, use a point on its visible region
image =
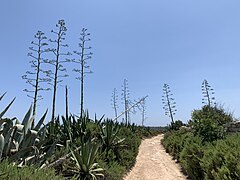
(205, 160)
(190, 157)
(221, 159)
(113, 170)
(9, 171)
(176, 125)
(129, 150)
(174, 141)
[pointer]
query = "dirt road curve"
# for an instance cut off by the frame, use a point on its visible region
(153, 163)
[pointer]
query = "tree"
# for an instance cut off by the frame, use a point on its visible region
(57, 62)
(35, 78)
(207, 92)
(168, 102)
(84, 55)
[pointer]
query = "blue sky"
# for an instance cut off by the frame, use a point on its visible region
(148, 42)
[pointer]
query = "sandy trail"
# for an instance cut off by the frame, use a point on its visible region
(153, 163)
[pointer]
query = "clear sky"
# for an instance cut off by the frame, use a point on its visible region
(148, 42)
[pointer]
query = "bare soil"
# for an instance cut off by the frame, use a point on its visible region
(153, 163)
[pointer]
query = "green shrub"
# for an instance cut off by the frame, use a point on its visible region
(113, 170)
(190, 157)
(213, 160)
(221, 159)
(93, 129)
(174, 141)
(129, 151)
(143, 132)
(176, 125)
(187, 149)
(9, 171)
(208, 122)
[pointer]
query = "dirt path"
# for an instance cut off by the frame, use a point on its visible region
(153, 163)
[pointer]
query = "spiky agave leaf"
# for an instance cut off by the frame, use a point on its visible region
(27, 119)
(9, 141)
(6, 109)
(40, 122)
(2, 142)
(1, 97)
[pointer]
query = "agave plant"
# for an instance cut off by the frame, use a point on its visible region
(70, 129)
(6, 122)
(109, 138)
(22, 144)
(73, 130)
(74, 127)
(25, 145)
(85, 166)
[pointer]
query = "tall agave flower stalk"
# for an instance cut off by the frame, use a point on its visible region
(84, 55)
(59, 71)
(169, 105)
(208, 92)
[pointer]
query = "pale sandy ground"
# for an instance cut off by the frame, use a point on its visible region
(153, 163)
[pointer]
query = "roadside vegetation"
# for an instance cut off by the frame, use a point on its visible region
(203, 146)
(73, 147)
